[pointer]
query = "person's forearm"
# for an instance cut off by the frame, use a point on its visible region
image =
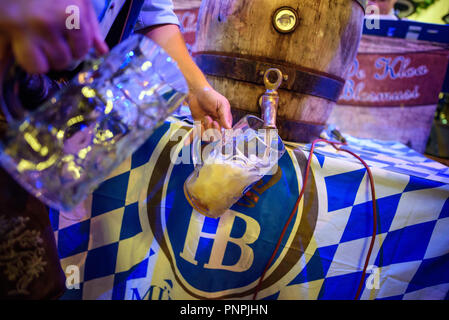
(169, 37)
(206, 104)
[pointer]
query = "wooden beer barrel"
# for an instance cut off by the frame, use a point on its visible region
(311, 42)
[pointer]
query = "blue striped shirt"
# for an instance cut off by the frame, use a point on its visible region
(154, 12)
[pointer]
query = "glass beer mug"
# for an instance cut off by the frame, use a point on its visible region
(232, 165)
(63, 150)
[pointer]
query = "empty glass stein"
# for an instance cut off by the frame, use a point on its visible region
(63, 150)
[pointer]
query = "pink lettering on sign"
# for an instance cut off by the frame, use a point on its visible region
(405, 79)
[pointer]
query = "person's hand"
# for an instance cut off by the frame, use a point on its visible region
(206, 104)
(211, 108)
(39, 38)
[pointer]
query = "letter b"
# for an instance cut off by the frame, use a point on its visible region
(220, 241)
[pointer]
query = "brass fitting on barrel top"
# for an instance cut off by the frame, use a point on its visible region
(269, 101)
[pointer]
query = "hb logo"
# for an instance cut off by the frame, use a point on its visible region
(221, 238)
(225, 257)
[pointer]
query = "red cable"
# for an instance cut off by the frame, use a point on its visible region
(373, 236)
(298, 201)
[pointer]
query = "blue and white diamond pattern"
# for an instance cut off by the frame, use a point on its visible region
(108, 237)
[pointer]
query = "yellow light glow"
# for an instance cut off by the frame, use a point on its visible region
(146, 93)
(32, 141)
(35, 145)
(68, 158)
(109, 107)
(60, 134)
(83, 152)
(75, 120)
(26, 165)
(88, 92)
(74, 170)
(103, 135)
(46, 164)
(24, 125)
(44, 151)
(146, 65)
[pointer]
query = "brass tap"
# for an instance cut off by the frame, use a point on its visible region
(269, 101)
